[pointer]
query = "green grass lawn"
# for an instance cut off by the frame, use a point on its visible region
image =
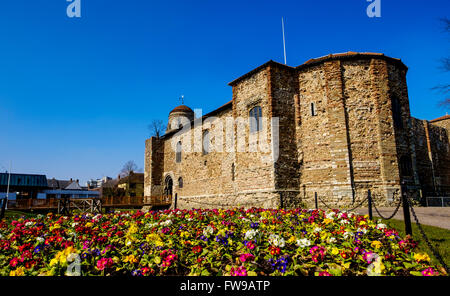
(438, 237)
(17, 214)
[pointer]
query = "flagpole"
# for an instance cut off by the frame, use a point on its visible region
(284, 41)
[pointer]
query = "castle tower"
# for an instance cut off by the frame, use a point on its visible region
(179, 116)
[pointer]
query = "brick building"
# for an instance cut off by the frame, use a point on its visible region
(336, 125)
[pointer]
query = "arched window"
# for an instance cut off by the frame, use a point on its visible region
(180, 182)
(255, 115)
(397, 112)
(178, 153)
(206, 143)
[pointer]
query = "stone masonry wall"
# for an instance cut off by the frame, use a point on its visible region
(337, 137)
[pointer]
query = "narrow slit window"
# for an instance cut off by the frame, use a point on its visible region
(232, 172)
(313, 109)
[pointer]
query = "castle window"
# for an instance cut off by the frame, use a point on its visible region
(180, 182)
(255, 115)
(397, 112)
(406, 166)
(178, 153)
(313, 109)
(206, 143)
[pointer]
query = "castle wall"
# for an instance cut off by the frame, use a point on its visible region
(344, 144)
(282, 97)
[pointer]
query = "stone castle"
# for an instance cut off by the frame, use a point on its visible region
(344, 126)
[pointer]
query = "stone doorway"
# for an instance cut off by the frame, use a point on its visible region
(168, 186)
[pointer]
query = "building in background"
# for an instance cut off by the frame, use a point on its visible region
(23, 186)
(132, 185)
(68, 189)
(97, 183)
(30, 186)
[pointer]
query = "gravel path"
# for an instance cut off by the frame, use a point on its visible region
(434, 216)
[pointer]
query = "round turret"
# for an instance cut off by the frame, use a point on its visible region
(180, 116)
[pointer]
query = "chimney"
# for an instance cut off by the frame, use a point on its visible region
(118, 177)
(78, 181)
(70, 180)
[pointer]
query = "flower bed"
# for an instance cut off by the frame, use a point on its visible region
(234, 242)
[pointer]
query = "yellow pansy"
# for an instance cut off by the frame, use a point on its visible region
(378, 266)
(131, 259)
(18, 272)
(376, 244)
(335, 251)
(422, 257)
(89, 224)
(291, 240)
(327, 221)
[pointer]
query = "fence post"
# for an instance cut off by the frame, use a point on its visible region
(315, 200)
(369, 200)
(406, 215)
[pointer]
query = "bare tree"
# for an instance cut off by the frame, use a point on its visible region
(129, 167)
(445, 66)
(156, 128)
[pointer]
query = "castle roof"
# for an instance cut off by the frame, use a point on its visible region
(182, 108)
(311, 62)
(441, 118)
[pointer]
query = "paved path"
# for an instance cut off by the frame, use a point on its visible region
(434, 216)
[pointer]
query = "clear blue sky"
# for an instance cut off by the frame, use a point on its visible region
(77, 94)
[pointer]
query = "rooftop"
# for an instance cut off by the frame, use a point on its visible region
(311, 62)
(441, 118)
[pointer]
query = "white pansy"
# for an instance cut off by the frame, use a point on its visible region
(276, 240)
(317, 229)
(381, 226)
(344, 222)
(1, 236)
(330, 215)
(208, 230)
(40, 239)
(331, 240)
(348, 234)
(150, 225)
(166, 223)
(304, 242)
(250, 234)
(363, 230)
